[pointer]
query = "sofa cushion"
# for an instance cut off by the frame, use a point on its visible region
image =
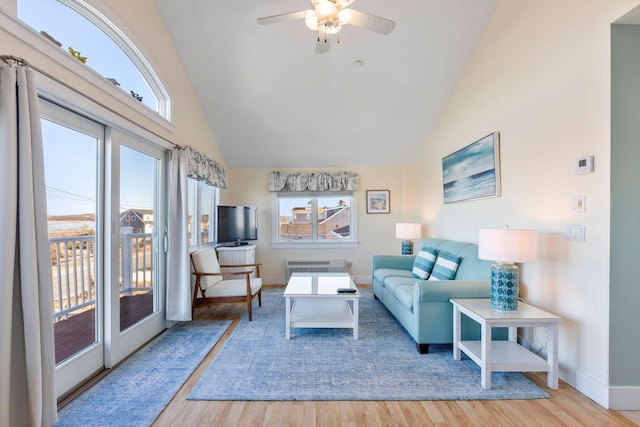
(445, 267)
(381, 274)
(423, 264)
(392, 283)
(404, 294)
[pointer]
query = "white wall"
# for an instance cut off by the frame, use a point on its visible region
(376, 231)
(541, 77)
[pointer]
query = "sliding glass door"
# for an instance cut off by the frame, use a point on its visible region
(73, 154)
(137, 248)
(107, 231)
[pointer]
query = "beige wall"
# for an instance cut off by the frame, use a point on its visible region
(376, 231)
(540, 76)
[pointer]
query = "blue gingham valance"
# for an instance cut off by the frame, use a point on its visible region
(315, 181)
(202, 168)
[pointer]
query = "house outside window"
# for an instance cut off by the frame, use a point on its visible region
(314, 220)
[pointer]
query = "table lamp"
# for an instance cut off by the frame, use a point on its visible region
(408, 231)
(506, 247)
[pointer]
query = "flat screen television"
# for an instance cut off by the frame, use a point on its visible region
(237, 224)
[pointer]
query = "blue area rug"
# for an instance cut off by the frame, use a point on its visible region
(135, 393)
(258, 363)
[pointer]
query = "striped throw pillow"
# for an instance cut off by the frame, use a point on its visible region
(423, 263)
(445, 267)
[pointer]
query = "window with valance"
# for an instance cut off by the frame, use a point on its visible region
(314, 210)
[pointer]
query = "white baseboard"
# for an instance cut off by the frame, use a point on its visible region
(592, 388)
(616, 398)
(624, 398)
(363, 280)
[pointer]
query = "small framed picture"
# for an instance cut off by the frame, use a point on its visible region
(378, 202)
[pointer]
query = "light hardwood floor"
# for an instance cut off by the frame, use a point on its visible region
(567, 407)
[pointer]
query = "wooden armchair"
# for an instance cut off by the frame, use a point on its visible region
(212, 287)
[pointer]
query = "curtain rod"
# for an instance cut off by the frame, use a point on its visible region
(11, 58)
(23, 62)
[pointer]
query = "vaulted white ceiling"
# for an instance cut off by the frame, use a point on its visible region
(271, 101)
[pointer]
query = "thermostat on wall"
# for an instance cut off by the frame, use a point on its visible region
(584, 165)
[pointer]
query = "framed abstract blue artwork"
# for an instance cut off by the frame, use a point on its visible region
(473, 172)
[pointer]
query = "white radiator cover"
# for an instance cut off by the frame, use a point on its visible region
(314, 266)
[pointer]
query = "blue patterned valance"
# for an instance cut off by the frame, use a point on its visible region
(315, 181)
(202, 168)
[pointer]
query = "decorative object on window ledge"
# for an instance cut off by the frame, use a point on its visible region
(113, 81)
(315, 181)
(76, 55)
(408, 232)
(505, 247)
(378, 201)
(136, 96)
(328, 16)
(473, 172)
(51, 38)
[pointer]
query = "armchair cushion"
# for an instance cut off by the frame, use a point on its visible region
(206, 261)
(234, 288)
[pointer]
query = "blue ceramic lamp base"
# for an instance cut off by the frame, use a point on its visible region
(505, 277)
(407, 247)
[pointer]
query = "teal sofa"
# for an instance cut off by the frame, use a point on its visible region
(422, 306)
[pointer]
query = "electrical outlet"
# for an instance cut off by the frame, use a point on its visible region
(578, 203)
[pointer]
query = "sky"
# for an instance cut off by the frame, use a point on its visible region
(73, 30)
(71, 171)
(71, 158)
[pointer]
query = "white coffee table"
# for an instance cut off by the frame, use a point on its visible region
(313, 301)
(505, 356)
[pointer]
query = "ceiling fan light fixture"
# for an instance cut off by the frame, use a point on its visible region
(344, 16)
(311, 20)
(331, 28)
(325, 9)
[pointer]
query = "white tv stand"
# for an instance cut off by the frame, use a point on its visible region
(233, 255)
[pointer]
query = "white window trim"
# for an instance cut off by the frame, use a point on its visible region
(22, 31)
(129, 48)
(196, 237)
(351, 243)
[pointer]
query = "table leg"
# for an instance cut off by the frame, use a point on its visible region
(485, 367)
(456, 333)
(355, 318)
(552, 356)
(288, 318)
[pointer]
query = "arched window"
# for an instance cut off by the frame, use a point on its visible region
(87, 34)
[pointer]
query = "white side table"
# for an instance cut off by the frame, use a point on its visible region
(505, 356)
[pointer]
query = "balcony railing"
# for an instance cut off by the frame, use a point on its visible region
(74, 270)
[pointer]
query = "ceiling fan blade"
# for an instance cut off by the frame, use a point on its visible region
(371, 22)
(280, 18)
(322, 46)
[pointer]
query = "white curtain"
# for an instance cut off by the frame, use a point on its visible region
(27, 362)
(178, 268)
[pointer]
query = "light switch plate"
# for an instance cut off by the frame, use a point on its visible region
(574, 233)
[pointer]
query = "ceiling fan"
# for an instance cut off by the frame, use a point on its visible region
(328, 16)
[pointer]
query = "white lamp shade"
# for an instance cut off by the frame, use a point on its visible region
(408, 231)
(507, 245)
